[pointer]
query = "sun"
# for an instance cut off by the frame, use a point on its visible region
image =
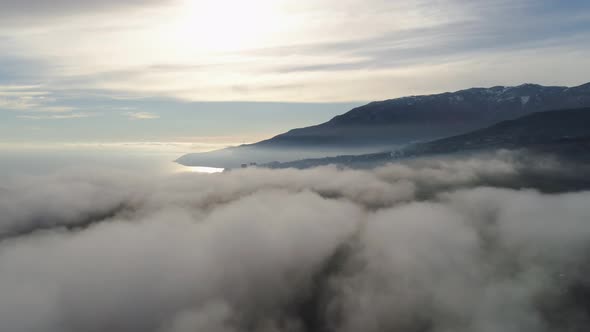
(225, 25)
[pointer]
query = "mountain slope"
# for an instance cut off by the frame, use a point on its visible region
(535, 129)
(382, 125)
(562, 132)
(418, 117)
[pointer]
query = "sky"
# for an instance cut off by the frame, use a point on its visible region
(200, 74)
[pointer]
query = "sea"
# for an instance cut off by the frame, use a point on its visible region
(20, 162)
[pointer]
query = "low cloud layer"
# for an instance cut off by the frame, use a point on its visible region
(474, 244)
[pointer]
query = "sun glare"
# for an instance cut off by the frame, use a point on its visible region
(224, 25)
(206, 170)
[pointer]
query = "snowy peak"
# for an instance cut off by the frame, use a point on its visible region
(498, 102)
(400, 121)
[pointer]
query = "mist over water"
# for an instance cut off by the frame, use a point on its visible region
(47, 161)
(495, 242)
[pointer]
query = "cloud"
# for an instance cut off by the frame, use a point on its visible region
(60, 8)
(357, 50)
(62, 116)
(414, 247)
(15, 97)
(31, 98)
(142, 115)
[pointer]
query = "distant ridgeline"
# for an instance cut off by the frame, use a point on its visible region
(565, 133)
(383, 125)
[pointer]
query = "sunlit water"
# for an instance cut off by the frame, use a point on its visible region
(207, 170)
(15, 163)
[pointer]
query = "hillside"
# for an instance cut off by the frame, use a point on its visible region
(424, 117)
(383, 125)
(562, 132)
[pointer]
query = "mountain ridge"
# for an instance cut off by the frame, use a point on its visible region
(509, 100)
(383, 124)
(559, 132)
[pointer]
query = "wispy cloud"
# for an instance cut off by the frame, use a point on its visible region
(24, 11)
(30, 98)
(336, 51)
(15, 97)
(66, 116)
(142, 115)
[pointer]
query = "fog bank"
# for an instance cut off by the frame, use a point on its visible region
(489, 243)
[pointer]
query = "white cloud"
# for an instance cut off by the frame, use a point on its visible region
(30, 99)
(142, 115)
(61, 116)
(425, 245)
(335, 50)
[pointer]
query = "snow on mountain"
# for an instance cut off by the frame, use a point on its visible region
(379, 125)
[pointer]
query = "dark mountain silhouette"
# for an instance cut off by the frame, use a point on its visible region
(382, 125)
(564, 133)
(416, 118)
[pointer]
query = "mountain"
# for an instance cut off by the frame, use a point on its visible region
(382, 125)
(563, 132)
(418, 117)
